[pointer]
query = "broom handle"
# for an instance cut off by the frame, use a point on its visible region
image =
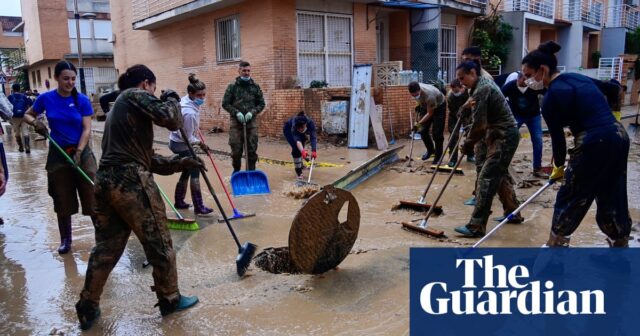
(66, 156)
(217, 172)
(310, 171)
(435, 172)
(213, 193)
(166, 199)
(512, 214)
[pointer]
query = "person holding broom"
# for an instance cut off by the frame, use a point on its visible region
(296, 131)
(127, 198)
(69, 114)
(190, 104)
(597, 166)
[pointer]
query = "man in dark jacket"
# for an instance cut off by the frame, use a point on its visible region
(525, 106)
(244, 101)
(21, 104)
(295, 131)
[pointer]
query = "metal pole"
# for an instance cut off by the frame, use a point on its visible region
(76, 15)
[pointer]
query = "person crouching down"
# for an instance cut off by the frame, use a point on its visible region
(295, 131)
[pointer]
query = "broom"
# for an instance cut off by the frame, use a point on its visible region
(245, 251)
(179, 223)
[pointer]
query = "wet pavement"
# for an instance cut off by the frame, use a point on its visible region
(367, 294)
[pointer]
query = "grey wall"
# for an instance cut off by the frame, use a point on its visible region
(516, 47)
(570, 38)
(612, 42)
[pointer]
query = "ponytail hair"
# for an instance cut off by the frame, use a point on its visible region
(195, 84)
(66, 65)
(134, 76)
(544, 55)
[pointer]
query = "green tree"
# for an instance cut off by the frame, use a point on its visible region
(492, 35)
(12, 59)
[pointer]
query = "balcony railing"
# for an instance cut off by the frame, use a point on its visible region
(590, 11)
(143, 9)
(544, 8)
(624, 16)
(91, 46)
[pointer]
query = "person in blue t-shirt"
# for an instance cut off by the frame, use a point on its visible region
(69, 115)
(21, 104)
(597, 167)
(295, 131)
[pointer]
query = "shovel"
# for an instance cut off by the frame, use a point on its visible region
(303, 183)
(249, 182)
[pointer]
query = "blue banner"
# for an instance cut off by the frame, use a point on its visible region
(524, 291)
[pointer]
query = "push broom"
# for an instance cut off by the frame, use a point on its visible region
(236, 214)
(245, 251)
(421, 205)
(179, 223)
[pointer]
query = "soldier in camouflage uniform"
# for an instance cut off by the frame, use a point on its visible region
(493, 122)
(431, 112)
(127, 198)
(455, 100)
(244, 101)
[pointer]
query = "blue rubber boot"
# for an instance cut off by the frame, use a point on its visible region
(471, 201)
(183, 303)
(463, 230)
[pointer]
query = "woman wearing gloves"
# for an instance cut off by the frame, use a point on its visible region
(295, 131)
(597, 168)
(190, 104)
(69, 114)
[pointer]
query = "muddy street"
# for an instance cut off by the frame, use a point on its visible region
(367, 294)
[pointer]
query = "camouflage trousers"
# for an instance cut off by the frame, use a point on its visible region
(236, 141)
(493, 177)
(128, 200)
(597, 170)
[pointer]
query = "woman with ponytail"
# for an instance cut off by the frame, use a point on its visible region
(597, 166)
(69, 114)
(190, 104)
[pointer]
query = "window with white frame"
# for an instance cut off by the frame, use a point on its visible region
(228, 38)
(448, 53)
(324, 48)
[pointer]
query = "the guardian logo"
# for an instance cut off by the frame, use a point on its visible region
(490, 289)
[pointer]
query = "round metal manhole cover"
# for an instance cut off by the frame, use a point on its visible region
(318, 241)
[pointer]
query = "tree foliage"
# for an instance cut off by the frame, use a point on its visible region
(492, 35)
(11, 59)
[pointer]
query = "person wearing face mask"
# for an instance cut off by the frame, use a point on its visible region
(431, 112)
(296, 131)
(243, 100)
(525, 105)
(127, 198)
(597, 166)
(455, 100)
(492, 122)
(190, 104)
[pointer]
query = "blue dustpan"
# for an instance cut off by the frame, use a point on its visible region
(250, 182)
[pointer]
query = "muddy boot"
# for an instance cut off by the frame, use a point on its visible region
(198, 204)
(622, 242)
(557, 241)
(19, 141)
(88, 312)
(27, 144)
(184, 302)
(64, 225)
(180, 193)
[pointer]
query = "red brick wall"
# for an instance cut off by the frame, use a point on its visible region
(399, 38)
(397, 105)
(364, 38)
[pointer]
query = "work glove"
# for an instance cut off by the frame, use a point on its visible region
(415, 127)
(168, 93)
(314, 154)
(305, 155)
(240, 117)
(248, 116)
(202, 146)
(557, 173)
(467, 148)
(41, 128)
(186, 163)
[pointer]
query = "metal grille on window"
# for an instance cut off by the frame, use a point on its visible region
(89, 81)
(228, 38)
(324, 49)
(448, 59)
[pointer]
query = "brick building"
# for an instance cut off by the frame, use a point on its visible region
(289, 44)
(50, 35)
(11, 44)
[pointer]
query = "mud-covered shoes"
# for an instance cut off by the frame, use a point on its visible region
(183, 303)
(463, 230)
(88, 312)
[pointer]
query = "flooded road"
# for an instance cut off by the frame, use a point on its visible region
(367, 294)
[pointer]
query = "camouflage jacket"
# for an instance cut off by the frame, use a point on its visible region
(128, 131)
(243, 96)
(491, 116)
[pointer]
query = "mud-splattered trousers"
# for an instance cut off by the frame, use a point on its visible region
(127, 200)
(435, 127)
(66, 185)
(236, 142)
(597, 170)
(494, 177)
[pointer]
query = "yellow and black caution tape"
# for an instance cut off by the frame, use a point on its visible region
(290, 163)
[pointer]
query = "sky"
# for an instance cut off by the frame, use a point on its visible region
(10, 8)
